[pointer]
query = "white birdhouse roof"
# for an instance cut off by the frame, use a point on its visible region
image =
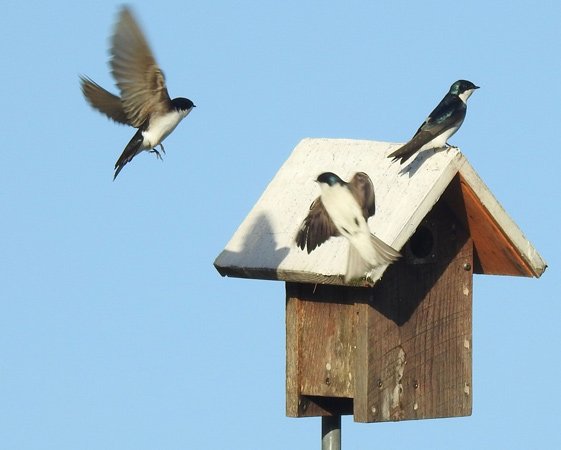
(263, 245)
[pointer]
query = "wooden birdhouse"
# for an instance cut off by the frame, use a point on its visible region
(397, 346)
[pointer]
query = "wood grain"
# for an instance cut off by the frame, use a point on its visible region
(400, 350)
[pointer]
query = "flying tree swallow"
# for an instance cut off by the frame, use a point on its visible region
(144, 103)
(442, 123)
(343, 210)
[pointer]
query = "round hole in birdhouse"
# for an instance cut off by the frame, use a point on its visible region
(421, 243)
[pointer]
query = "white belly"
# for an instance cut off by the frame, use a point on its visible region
(347, 216)
(160, 128)
(343, 210)
(441, 140)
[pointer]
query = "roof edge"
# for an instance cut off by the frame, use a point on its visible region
(534, 264)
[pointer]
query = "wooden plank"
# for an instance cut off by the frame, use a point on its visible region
(414, 346)
(501, 246)
(292, 352)
(319, 349)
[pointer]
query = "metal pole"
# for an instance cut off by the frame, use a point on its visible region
(331, 433)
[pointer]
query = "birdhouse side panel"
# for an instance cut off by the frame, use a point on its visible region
(414, 337)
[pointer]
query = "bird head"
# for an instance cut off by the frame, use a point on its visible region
(329, 178)
(463, 89)
(183, 104)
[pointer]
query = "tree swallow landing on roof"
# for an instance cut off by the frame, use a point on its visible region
(343, 209)
(442, 123)
(144, 103)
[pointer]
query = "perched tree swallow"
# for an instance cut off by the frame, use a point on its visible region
(343, 209)
(442, 123)
(144, 103)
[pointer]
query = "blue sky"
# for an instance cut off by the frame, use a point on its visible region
(116, 332)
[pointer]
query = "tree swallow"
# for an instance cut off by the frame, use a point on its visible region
(144, 103)
(442, 123)
(343, 209)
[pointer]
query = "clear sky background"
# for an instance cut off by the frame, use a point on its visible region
(116, 331)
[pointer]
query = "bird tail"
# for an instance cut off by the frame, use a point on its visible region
(131, 150)
(403, 153)
(385, 253)
(377, 253)
(356, 266)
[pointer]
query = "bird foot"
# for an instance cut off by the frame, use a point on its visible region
(158, 156)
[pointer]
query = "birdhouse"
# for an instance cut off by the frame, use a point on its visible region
(396, 345)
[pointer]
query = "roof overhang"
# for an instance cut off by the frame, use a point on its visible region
(263, 245)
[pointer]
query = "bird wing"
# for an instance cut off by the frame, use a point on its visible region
(363, 191)
(103, 100)
(447, 112)
(140, 80)
(316, 228)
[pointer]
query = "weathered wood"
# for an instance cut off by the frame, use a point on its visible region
(400, 348)
(263, 246)
(415, 347)
(398, 351)
(499, 259)
(320, 354)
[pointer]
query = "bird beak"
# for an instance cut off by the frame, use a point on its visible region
(476, 87)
